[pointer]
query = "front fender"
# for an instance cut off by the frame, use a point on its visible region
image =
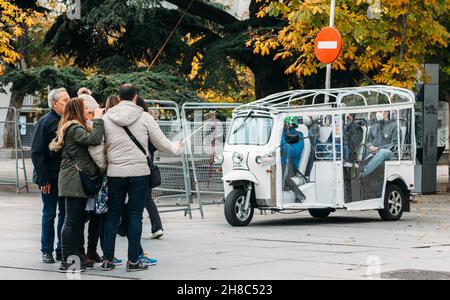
(240, 175)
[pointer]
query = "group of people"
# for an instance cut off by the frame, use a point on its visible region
(78, 141)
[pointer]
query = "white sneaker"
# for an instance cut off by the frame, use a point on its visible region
(157, 235)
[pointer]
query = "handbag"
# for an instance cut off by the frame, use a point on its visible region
(91, 184)
(102, 199)
(155, 174)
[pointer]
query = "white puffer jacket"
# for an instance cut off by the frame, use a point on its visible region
(124, 157)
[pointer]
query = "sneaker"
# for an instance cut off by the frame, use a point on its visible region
(136, 267)
(66, 267)
(147, 260)
(58, 257)
(87, 262)
(117, 261)
(48, 258)
(157, 235)
(108, 265)
(95, 257)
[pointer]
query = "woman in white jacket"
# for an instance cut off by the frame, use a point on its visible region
(128, 171)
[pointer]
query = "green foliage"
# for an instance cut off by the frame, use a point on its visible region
(38, 80)
(160, 84)
(114, 64)
(115, 28)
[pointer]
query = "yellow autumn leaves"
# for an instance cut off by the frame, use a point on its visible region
(12, 22)
(389, 50)
(263, 44)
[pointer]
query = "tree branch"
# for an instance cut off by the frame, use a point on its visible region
(206, 11)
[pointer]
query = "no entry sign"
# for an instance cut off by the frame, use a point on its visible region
(328, 45)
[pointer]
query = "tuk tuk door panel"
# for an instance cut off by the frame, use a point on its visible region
(326, 191)
(329, 176)
(365, 170)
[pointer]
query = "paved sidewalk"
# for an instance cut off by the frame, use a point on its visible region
(345, 246)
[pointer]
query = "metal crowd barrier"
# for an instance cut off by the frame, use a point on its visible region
(27, 119)
(206, 126)
(12, 159)
(189, 181)
(175, 193)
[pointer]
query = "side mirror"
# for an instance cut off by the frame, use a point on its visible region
(292, 139)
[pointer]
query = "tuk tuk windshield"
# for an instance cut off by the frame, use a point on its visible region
(250, 130)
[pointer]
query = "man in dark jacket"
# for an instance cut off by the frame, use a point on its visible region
(46, 171)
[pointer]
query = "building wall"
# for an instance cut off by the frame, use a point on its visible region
(238, 8)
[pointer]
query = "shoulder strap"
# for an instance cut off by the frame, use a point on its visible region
(134, 140)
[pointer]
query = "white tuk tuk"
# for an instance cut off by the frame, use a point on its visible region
(321, 150)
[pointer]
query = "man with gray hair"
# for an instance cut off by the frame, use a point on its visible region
(46, 171)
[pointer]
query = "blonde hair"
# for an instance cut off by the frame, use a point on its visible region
(111, 102)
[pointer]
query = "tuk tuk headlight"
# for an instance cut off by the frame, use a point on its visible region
(237, 158)
(265, 160)
(218, 159)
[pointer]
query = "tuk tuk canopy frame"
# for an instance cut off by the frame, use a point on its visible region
(298, 99)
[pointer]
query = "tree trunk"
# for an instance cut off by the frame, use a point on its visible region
(9, 134)
(24, 42)
(269, 77)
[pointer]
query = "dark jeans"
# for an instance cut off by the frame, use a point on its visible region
(136, 188)
(51, 202)
(95, 232)
(71, 232)
(153, 213)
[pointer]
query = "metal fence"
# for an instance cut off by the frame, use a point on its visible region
(174, 194)
(27, 118)
(189, 181)
(12, 158)
(206, 126)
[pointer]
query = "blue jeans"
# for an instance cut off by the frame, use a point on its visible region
(136, 188)
(379, 158)
(52, 203)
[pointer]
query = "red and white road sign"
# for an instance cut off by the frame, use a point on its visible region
(328, 45)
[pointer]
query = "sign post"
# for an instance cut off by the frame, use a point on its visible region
(328, 76)
(330, 46)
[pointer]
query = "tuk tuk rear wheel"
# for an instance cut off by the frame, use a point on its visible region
(234, 209)
(394, 201)
(320, 213)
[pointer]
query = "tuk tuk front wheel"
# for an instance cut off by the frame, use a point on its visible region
(320, 213)
(394, 200)
(235, 212)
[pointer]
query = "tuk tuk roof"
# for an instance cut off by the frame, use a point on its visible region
(355, 97)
